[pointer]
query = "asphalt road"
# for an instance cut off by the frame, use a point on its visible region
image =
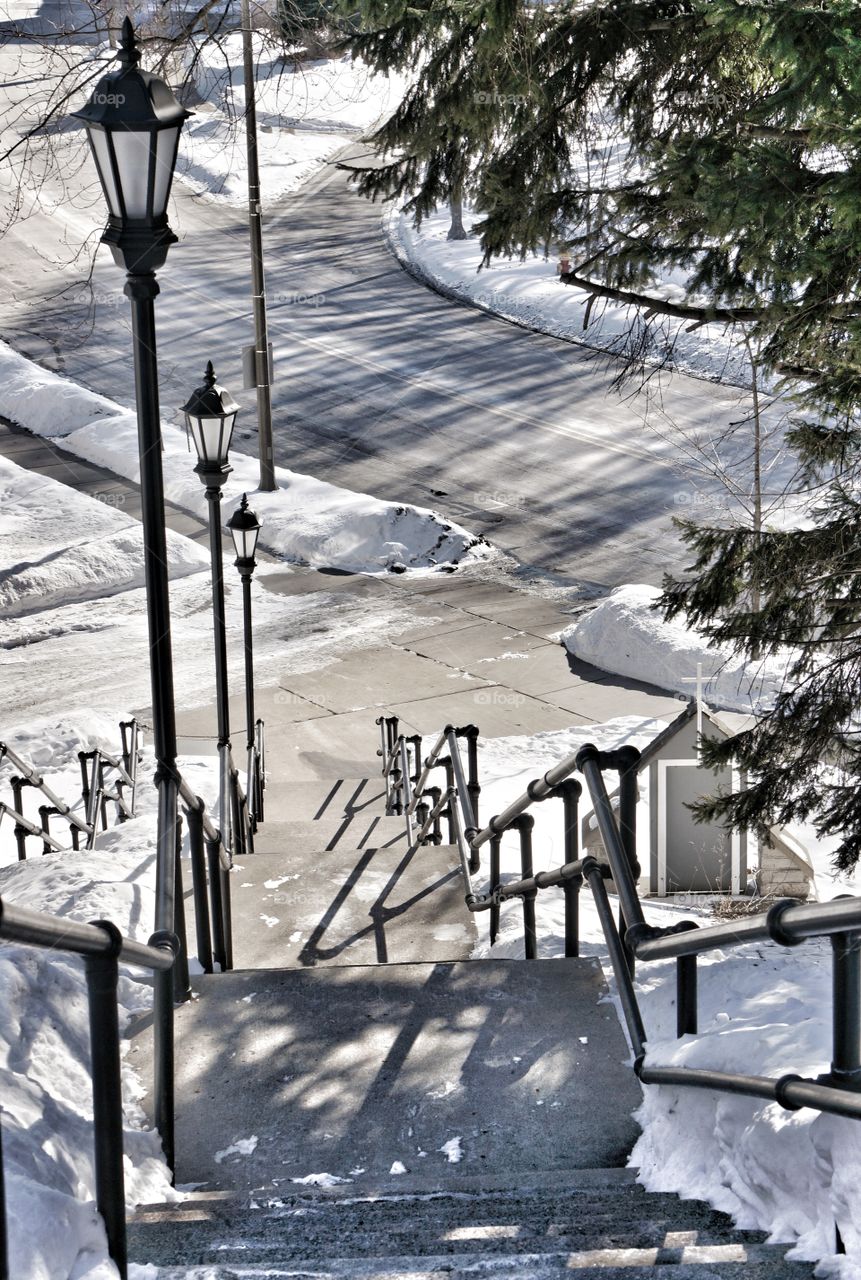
(382, 385)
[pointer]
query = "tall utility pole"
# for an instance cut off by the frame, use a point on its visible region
(262, 372)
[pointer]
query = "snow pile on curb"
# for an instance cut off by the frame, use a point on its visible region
(626, 635)
(529, 293)
(307, 520)
(95, 551)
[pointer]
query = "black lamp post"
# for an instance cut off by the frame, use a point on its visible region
(133, 122)
(211, 414)
(245, 529)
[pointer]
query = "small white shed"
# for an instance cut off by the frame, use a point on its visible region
(685, 856)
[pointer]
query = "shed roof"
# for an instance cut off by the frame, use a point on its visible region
(726, 727)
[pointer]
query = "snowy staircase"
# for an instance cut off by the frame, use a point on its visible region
(598, 1224)
(359, 1099)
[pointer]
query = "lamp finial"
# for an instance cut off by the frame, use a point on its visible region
(129, 54)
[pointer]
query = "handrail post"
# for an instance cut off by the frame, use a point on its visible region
(449, 786)
(203, 927)
(473, 786)
(227, 915)
(163, 1048)
(686, 995)
(181, 984)
(627, 759)
(416, 742)
(846, 1010)
(102, 976)
(17, 785)
(589, 761)
(496, 841)
(570, 790)
(624, 983)
(45, 820)
(219, 944)
(260, 768)
(524, 825)
(435, 794)
(422, 815)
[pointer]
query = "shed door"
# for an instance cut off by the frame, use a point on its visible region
(692, 857)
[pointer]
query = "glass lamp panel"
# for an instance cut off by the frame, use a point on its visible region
(240, 544)
(101, 146)
(167, 141)
(132, 149)
(196, 435)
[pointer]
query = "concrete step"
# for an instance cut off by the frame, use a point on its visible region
(351, 830)
(329, 798)
(543, 1230)
(516, 1068)
(305, 907)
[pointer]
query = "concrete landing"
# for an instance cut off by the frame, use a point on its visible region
(452, 1070)
(375, 905)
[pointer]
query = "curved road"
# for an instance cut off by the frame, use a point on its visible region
(383, 386)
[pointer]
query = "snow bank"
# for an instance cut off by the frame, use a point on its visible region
(306, 520)
(61, 546)
(529, 292)
(626, 635)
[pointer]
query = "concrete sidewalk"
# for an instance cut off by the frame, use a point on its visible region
(476, 651)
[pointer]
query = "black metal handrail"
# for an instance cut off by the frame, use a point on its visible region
(786, 922)
(631, 938)
(95, 794)
(103, 949)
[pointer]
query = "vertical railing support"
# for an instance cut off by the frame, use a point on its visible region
(524, 825)
(163, 1048)
(686, 995)
(45, 821)
(435, 794)
(219, 944)
(449, 783)
(181, 984)
(846, 1009)
(20, 832)
(473, 787)
(570, 790)
(495, 842)
(203, 927)
(102, 976)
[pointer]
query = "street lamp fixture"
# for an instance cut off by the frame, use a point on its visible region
(245, 529)
(133, 122)
(210, 415)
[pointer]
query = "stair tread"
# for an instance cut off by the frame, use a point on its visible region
(352, 830)
(315, 798)
(360, 1066)
(366, 906)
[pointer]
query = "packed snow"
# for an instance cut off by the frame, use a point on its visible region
(306, 520)
(626, 635)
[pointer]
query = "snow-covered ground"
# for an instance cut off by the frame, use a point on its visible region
(763, 1010)
(306, 113)
(306, 520)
